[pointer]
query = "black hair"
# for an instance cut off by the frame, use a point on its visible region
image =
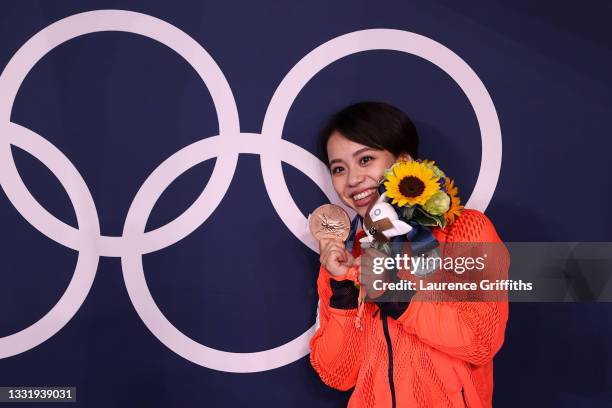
(373, 124)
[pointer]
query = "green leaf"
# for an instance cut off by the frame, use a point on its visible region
(424, 218)
(442, 223)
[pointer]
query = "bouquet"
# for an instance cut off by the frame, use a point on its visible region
(423, 193)
(413, 195)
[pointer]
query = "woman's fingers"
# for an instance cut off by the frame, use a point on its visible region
(327, 244)
(324, 243)
(336, 259)
(337, 256)
(334, 256)
(326, 247)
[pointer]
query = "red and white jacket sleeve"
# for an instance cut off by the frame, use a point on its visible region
(336, 349)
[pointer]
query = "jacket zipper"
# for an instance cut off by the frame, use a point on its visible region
(385, 324)
(463, 396)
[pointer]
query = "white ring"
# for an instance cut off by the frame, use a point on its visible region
(381, 39)
(133, 272)
(87, 218)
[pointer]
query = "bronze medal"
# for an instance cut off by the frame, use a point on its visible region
(329, 221)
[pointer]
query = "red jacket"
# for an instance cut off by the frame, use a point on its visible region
(435, 354)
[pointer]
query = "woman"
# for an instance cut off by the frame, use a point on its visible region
(410, 354)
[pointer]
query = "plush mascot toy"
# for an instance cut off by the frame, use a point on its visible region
(382, 222)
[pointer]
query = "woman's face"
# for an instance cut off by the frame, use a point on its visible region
(356, 170)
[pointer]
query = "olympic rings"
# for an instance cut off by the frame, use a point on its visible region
(225, 147)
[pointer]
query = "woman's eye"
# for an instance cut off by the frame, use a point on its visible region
(366, 159)
(336, 170)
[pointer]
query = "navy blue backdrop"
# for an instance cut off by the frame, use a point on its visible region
(117, 104)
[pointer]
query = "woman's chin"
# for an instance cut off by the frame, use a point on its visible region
(360, 211)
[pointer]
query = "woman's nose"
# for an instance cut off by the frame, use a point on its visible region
(355, 178)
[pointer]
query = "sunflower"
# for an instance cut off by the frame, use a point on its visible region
(455, 204)
(411, 182)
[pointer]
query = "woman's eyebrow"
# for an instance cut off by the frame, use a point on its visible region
(363, 149)
(356, 153)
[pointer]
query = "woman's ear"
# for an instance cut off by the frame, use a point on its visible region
(404, 157)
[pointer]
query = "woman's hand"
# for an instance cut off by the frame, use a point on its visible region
(334, 256)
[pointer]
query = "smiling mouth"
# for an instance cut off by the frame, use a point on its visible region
(364, 197)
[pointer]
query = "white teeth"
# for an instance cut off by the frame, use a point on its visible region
(363, 194)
